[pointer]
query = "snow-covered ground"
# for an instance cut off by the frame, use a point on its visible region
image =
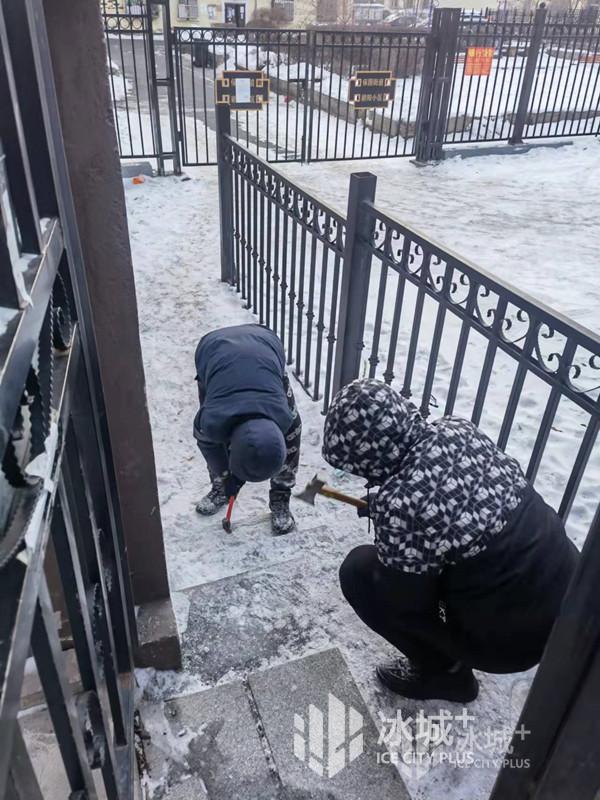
(530, 219)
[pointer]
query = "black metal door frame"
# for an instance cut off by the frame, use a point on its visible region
(52, 401)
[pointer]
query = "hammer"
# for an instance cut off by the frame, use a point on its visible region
(227, 519)
(317, 486)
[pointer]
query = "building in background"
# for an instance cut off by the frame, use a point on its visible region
(305, 13)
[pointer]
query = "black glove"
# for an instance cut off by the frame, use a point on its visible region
(368, 510)
(231, 485)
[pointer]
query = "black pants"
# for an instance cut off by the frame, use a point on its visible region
(373, 593)
(382, 599)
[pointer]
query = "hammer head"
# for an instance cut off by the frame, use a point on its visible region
(312, 489)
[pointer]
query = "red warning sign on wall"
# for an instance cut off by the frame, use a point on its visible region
(479, 60)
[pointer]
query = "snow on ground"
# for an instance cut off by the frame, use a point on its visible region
(529, 219)
(248, 601)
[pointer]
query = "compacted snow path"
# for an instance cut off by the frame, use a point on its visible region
(247, 601)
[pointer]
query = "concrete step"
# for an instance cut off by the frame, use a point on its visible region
(298, 731)
(206, 746)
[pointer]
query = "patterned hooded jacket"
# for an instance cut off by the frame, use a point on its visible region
(445, 489)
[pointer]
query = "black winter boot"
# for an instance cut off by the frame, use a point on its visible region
(213, 501)
(282, 520)
(458, 685)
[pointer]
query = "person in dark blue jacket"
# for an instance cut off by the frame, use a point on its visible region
(248, 427)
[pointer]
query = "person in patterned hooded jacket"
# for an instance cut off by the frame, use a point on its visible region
(469, 566)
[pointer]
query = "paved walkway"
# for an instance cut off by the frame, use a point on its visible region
(248, 603)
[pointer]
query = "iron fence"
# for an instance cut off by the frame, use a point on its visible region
(565, 99)
(283, 253)
(338, 130)
(363, 294)
(458, 340)
(310, 116)
(141, 76)
(542, 80)
(469, 78)
(57, 489)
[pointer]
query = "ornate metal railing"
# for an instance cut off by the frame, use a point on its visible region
(381, 299)
(121, 16)
(287, 250)
(455, 339)
(57, 489)
(475, 322)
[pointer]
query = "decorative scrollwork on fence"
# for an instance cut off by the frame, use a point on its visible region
(486, 305)
(121, 16)
(551, 347)
(437, 272)
(460, 288)
(249, 38)
(515, 325)
(326, 224)
(583, 374)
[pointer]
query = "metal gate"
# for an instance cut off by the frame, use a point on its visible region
(57, 480)
(278, 132)
(140, 65)
(309, 116)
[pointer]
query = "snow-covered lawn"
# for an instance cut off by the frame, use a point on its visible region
(530, 219)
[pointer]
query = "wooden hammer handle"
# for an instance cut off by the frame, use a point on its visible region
(327, 491)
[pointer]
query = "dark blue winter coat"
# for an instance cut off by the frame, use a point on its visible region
(240, 372)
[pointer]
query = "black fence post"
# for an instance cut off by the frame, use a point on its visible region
(539, 21)
(309, 96)
(436, 85)
(225, 194)
(164, 81)
(355, 281)
(153, 90)
(169, 82)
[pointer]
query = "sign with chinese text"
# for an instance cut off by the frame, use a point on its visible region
(372, 88)
(243, 89)
(479, 60)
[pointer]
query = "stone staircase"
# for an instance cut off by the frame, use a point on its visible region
(298, 731)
